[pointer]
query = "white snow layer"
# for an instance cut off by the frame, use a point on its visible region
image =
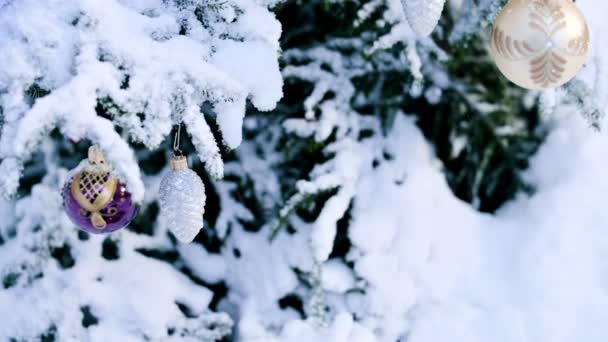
(437, 270)
(433, 268)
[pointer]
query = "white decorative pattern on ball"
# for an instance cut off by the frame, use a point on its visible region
(182, 203)
(423, 15)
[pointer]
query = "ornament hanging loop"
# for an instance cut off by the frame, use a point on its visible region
(176, 141)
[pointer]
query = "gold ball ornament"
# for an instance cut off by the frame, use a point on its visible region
(540, 44)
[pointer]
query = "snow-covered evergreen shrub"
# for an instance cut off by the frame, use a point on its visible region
(119, 74)
(339, 217)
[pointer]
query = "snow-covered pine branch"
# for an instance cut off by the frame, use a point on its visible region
(147, 65)
(359, 87)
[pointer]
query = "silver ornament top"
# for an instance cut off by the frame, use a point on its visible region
(179, 163)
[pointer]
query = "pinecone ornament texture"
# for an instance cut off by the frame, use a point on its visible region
(423, 15)
(182, 200)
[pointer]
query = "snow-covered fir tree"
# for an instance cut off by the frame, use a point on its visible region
(118, 74)
(395, 188)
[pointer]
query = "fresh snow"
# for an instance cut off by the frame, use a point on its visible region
(426, 267)
(132, 52)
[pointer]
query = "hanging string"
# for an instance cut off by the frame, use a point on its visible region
(176, 141)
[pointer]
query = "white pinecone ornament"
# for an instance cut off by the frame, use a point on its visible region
(423, 15)
(182, 200)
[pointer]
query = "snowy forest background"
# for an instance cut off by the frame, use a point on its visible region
(363, 184)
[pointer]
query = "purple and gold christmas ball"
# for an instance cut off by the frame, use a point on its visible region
(98, 203)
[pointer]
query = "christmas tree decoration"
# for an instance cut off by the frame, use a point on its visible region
(423, 15)
(401, 187)
(182, 198)
(95, 200)
(540, 44)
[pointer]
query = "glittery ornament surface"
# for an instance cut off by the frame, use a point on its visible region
(423, 15)
(117, 213)
(182, 203)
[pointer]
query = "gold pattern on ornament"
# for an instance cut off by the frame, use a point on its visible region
(548, 63)
(93, 191)
(111, 211)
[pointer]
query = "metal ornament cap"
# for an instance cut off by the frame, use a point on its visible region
(179, 163)
(540, 44)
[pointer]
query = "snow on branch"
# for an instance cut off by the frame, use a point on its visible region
(138, 68)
